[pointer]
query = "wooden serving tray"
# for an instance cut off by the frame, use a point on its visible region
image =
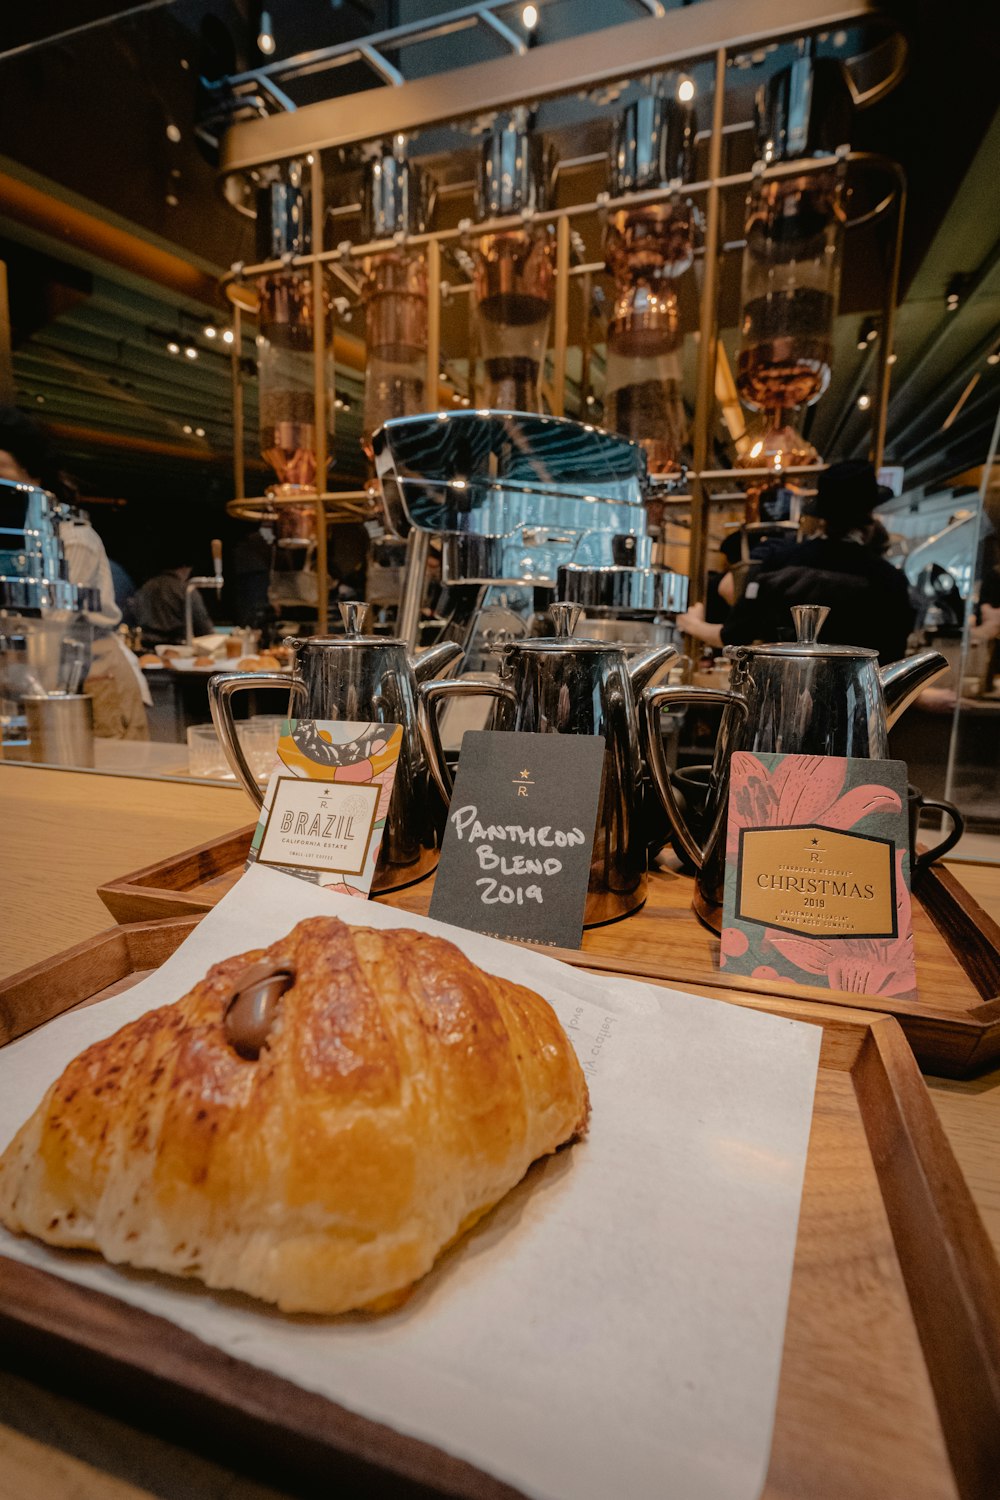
(890, 1381)
(953, 1027)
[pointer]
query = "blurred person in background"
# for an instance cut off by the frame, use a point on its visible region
(114, 681)
(842, 568)
(159, 603)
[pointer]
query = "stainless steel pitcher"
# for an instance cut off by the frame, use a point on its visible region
(803, 698)
(368, 678)
(561, 685)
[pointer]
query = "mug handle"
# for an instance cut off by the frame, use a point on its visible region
(921, 861)
(653, 701)
(221, 689)
(429, 695)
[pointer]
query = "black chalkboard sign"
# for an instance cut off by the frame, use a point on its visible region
(515, 862)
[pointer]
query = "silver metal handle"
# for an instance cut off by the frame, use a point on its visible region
(653, 701)
(428, 696)
(221, 689)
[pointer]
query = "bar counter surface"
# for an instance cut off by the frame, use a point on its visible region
(67, 832)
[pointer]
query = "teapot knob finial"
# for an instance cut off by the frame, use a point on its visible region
(565, 617)
(355, 617)
(809, 621)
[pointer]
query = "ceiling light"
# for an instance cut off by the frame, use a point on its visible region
(993, 358)
(191, 351)
(757, 448)
(864, 401)
(199, 432)
(210, 330)
(685, 89)
(173, 348)
(228, 335)
(171, 200)
(265, 37)
(891, 359)
(529, 17)
(188, 428)
(345, 405)
(338, 405)
(173, 133)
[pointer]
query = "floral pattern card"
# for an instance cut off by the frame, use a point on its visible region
(327, 801)
(818, 873)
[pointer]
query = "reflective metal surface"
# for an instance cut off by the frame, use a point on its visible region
(512, 174)
(621, 589)
(57, 731)
(562, 685)
(396, 195)
(804, 699)
(368, 679)
(515, 495)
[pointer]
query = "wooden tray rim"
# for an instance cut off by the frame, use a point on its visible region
(952, 1043)
(951, 1274)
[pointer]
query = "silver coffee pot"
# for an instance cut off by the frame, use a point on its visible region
(368, 678)
(563, 685)
(801, 698)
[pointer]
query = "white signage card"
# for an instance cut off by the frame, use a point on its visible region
(327, 802)
(317, 825)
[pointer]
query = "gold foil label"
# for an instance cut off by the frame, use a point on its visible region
(818, 882)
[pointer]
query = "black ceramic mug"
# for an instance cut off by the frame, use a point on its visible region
(916, 803)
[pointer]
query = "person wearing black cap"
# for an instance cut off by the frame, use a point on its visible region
(843, 568)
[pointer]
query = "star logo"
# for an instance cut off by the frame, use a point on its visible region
(525, 775)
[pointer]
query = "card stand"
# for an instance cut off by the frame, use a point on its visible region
(888, 1240)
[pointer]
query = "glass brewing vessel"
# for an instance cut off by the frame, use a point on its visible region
(396, 202)
(512, 294)
(791, 285)
(285, 332)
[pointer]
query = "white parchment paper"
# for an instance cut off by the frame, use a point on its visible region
(615, 1327)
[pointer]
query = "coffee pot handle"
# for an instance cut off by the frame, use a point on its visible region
(429, 695)
(919, 862)
(221, 689)
(652, 702)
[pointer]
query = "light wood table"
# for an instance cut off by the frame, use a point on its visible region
(64, 833)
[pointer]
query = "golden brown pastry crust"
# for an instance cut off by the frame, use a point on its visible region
(400, 1095)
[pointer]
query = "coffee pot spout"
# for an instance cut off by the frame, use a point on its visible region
(903, 680)
(436, 661)
(645, 668)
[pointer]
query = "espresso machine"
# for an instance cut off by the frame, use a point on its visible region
(525, 508)
(45, 638)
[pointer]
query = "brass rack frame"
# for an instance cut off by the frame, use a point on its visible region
(712, 30)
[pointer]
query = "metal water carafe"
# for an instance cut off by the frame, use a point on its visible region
(800, 698)
(564, 685)
(370, 679)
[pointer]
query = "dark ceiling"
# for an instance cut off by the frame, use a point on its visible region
(102, 151)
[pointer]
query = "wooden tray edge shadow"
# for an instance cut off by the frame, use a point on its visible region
(166, 888)
(950, 1271)
(951, 1044)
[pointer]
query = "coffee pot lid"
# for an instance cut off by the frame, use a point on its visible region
(565, 617)
(809, 621)
(355, 614)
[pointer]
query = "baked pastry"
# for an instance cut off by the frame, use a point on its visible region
(263, 663)
(150, 659)
(312, 1124)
